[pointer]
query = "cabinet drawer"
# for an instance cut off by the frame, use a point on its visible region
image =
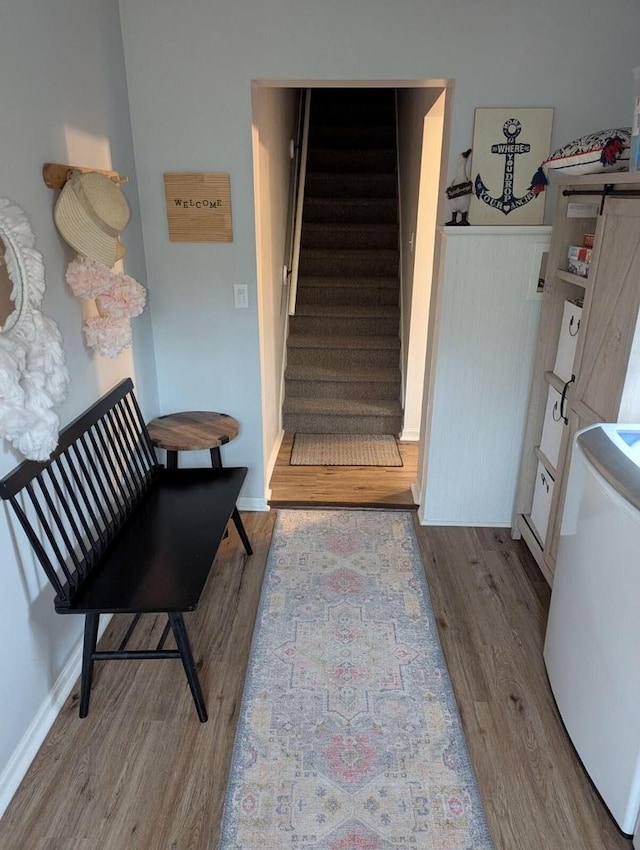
(567, 340)
(541, 506)
(552, 428)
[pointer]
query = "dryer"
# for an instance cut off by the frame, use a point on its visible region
(592, 644)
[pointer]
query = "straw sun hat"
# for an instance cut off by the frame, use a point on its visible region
(90, 214)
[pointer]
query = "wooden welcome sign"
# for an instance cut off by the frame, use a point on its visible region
(198, 207)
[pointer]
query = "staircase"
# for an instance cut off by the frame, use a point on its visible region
(343, 350)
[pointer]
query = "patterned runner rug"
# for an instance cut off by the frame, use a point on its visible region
(349, 736)
(345, 450)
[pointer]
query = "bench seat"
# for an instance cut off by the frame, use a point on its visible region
(161, 557)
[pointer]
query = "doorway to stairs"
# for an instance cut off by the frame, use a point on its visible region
(351, 355)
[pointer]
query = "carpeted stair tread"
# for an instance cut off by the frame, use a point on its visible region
(362, 236)
(344, 374)
(350, 210)
(352, 136)
(349, 261)
(329, 184)
(366, 256)
(342, 407)
(365, 282)
(348, 290)
(353, 311)
(374, 160)
(346, 342)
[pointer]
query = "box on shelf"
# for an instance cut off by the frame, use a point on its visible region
(567, 340)
(541, 506)
(588, 240)
(578, 260)
(553, 426)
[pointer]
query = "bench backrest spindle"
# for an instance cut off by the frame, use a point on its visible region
(72, 505)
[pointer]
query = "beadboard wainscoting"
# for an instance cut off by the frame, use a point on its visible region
(488, 314)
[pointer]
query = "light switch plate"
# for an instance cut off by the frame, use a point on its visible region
(240, 296)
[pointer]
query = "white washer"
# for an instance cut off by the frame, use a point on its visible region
(592, 646)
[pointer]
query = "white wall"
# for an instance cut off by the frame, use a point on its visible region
(190, 66)
(275, 117)
(63, 98)
(421, 162)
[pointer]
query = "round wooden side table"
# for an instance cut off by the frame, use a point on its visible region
(192, 431)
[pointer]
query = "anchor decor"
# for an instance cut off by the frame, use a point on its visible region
(509, 149)
(504, 165)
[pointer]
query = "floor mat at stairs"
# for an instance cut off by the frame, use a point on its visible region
(345, 450)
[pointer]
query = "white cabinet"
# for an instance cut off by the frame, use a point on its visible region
(488, 314)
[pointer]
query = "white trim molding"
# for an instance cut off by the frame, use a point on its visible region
(37, 731)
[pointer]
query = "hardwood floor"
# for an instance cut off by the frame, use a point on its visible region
(491, 603)
(141, 773)
(343, 486)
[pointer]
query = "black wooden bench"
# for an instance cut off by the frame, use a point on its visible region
(117, 533)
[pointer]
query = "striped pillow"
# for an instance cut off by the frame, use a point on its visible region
(606, 150)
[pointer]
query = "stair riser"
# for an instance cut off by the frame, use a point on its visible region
(354, 161)
(364, 211)
(338, 237)
(306, 423)
(338, 357)
(345, 326)
(381, 390)
(322, 185)
(348, 296)
(333, 263)
(345, 293)
(359, 137)
(339, 107)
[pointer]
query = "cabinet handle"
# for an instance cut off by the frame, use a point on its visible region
(577, 330)
(564, 398)
(554, 412)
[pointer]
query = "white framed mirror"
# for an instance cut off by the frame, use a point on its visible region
(33, 374)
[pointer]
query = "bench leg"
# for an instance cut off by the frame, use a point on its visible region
(182, 642)
(235, 516)
(91, 622)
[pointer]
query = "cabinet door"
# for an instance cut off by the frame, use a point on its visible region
(615, 301)
(575, 423)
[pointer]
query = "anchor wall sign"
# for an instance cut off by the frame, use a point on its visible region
(508, 147)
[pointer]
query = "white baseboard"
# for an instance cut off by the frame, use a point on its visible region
(410, 435)
(246, 503)
(32, 740)
(464, 523)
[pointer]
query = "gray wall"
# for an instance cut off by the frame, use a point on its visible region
(190, 66)
(63, 98)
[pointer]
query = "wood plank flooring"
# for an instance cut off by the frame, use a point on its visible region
(491, 603)
(343, 486)
(141, 773)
